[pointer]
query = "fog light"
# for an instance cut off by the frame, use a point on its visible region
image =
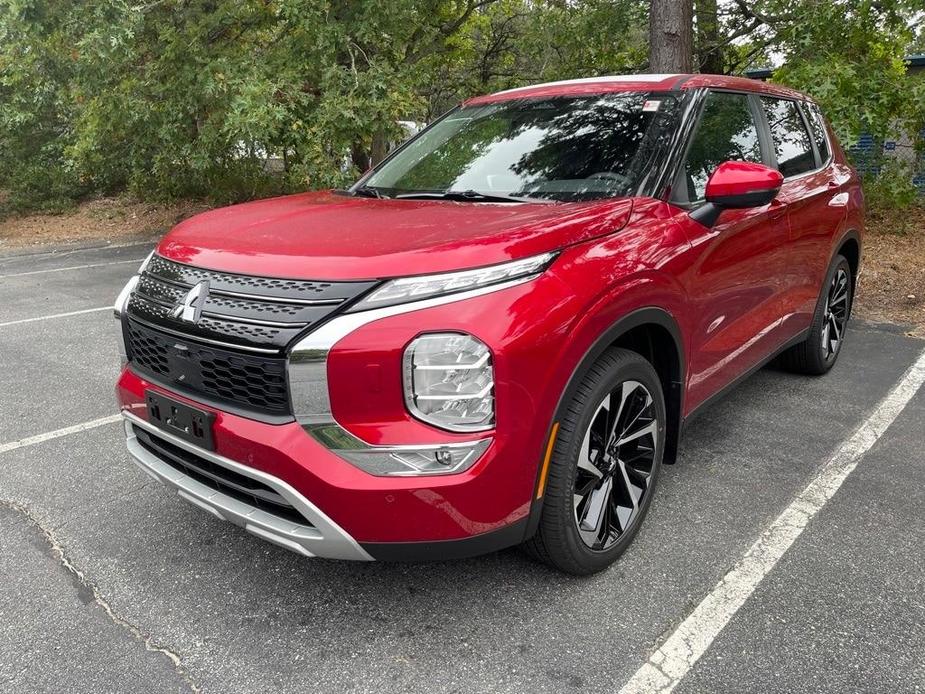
(399, 461)
(449, 381)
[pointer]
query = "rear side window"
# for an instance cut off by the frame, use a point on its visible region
(788, 133)
(727, 131)
(817, 125)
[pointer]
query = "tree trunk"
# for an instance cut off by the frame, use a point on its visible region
(360, 156)
(709, 54)
(671, 35)
(380, 148)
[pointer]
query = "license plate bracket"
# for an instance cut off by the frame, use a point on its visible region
(189, 423)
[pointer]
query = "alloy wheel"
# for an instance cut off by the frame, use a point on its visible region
(615, 465)
(836, 314)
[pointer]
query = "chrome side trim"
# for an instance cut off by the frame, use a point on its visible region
(308, 382)
(122, 299)
(118, 311)
(323, 538)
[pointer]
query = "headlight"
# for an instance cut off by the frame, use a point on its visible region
(405, 289)
(449, 381)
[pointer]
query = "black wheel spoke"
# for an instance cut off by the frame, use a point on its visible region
(595, 511)
(636, 475)
(587, 487)
(648, 429)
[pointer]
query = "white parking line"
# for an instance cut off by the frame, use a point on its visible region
(56, 315)
(676, 656)
(71, 267)
(39, 438)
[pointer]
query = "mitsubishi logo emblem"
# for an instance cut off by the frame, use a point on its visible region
(189, 308)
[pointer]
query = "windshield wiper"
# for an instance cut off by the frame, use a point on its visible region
(464, 196)
(369, 192)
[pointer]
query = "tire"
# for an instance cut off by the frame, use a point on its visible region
(568, 537)
(817, 354)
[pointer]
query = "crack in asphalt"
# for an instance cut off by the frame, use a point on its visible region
(87, 592)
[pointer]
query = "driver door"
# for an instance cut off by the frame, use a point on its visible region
(735, 281)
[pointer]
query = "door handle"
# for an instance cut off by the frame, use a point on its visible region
(776, 210)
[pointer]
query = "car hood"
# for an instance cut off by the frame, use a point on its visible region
(327, 235)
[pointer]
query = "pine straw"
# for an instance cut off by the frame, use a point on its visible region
(113, 220)
(892, 283)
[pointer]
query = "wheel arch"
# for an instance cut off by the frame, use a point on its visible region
(655, 334)
(849, 246)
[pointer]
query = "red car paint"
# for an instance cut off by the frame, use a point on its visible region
(360, 238)
(736, 292)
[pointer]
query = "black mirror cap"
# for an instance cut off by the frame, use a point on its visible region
(708, 213)
(755, 198)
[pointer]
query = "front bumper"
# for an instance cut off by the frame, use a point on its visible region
(349, 513)
(319, 536)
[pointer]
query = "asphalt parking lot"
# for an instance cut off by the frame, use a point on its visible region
(111, 583)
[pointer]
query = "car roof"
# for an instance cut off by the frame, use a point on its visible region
(642, 83)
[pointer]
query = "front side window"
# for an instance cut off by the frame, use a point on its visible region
(560, 148)
(788, 133)
(727, 131)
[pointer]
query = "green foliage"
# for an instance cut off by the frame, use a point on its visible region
(515, 42)
(176, 98)
(892, 188)
(190, 97)
(849, 56)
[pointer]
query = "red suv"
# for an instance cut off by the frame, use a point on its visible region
(495, 337)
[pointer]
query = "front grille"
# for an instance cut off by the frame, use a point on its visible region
(235, 352)
(258, 383)
(251, 313)
(241, 487)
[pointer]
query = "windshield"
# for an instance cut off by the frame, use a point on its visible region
(560, 148)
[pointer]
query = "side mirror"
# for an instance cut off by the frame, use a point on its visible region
(737, 184)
